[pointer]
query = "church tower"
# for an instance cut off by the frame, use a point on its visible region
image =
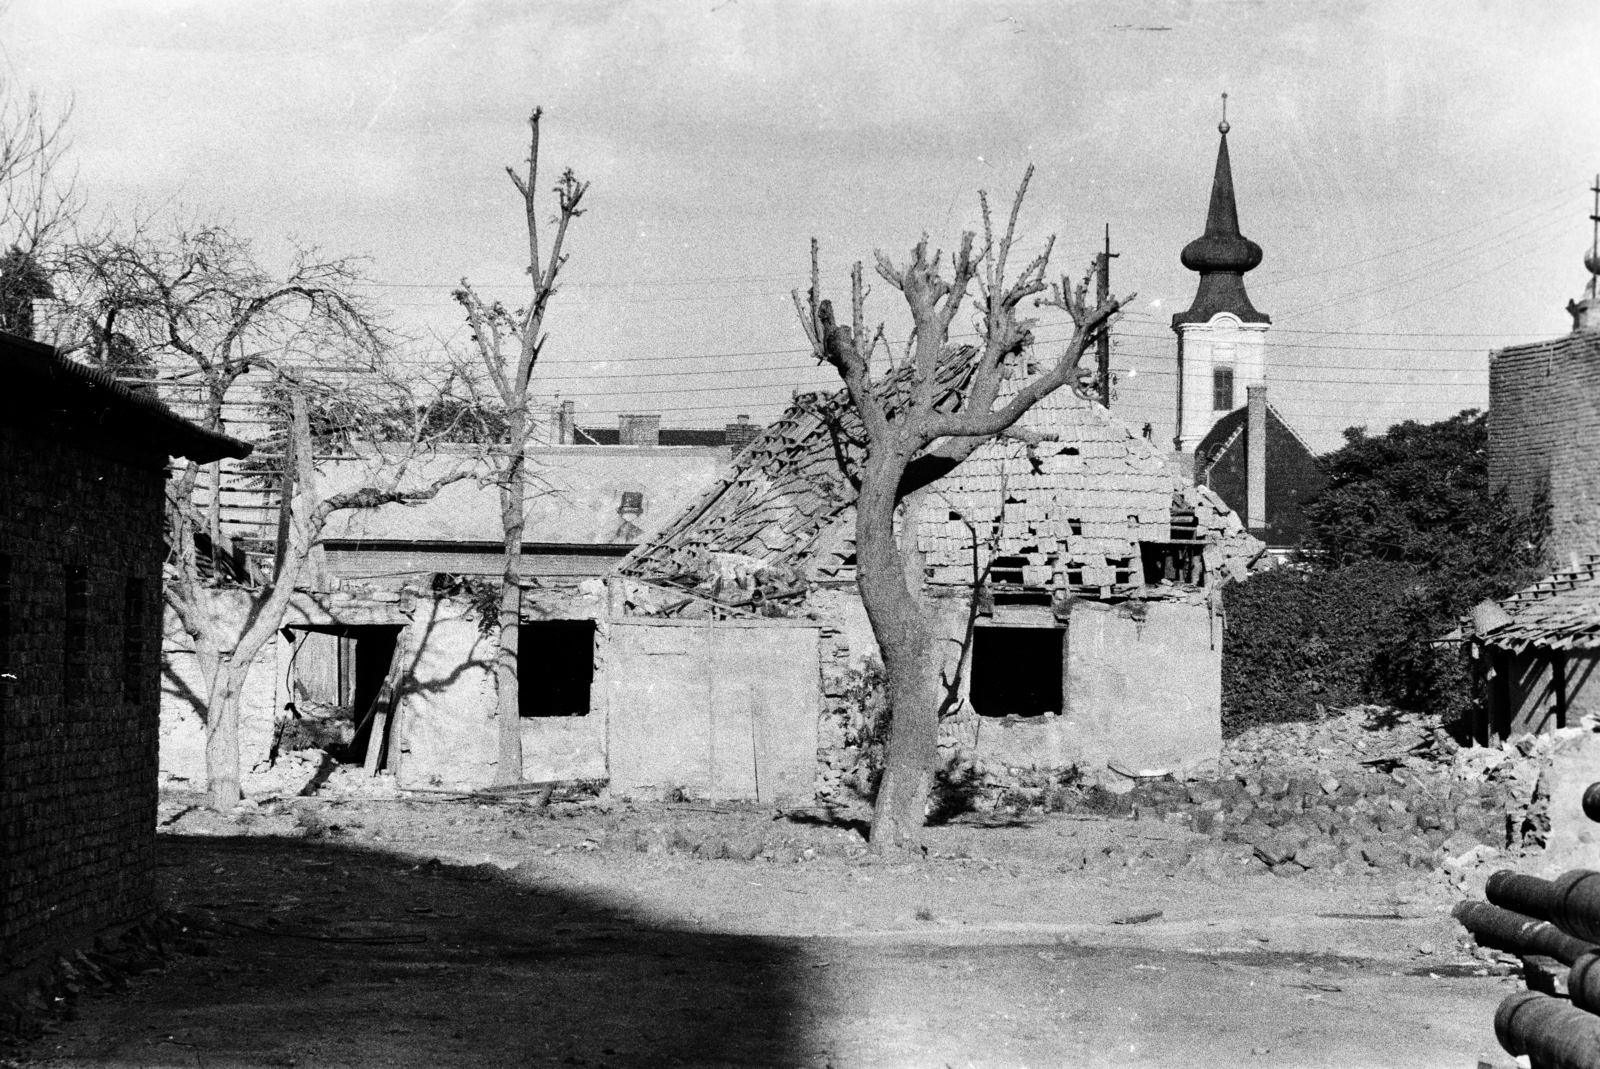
(1221, 338)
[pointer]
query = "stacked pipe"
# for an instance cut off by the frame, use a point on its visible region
(1560, 919)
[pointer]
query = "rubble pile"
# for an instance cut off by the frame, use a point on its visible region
(1364, 790)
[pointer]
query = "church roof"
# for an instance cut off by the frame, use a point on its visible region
(1221, 255)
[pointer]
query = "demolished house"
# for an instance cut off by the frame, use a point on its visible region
(1537, 653)
(729, 656)
(383, 662)
(1088, 570)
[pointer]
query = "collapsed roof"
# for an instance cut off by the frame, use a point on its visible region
(1071, 510)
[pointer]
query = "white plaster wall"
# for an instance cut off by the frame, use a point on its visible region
(444, 729)
(1145, 695)
(563, 747)
(1223, 340)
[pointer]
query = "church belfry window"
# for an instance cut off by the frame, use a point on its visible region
(1222, 389)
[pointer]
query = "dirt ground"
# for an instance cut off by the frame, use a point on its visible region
(367, 932)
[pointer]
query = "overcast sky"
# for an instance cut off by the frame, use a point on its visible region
(1416, 172)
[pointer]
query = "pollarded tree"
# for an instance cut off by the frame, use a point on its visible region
(922, 436)
(508, 343)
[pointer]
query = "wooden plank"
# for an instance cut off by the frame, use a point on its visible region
(379, 712)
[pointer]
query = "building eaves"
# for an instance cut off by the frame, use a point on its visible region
(1559, 612)
(93, 393)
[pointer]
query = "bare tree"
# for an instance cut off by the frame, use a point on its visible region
(195, 310)
(919, 427)
(38, 200)
(226, 647)
(509, 342)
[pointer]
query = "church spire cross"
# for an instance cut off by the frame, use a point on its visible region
(1222, 254)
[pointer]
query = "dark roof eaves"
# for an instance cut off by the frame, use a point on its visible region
(178, 436)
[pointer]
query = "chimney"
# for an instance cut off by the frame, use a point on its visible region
(567, 423)
(638, 430)
(1255, 437)
(740, 434)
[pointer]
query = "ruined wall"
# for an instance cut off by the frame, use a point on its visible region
(444, 726)
(1145, 694)
(80, 619)
(1544, 434)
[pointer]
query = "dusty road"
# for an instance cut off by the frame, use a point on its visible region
(350, 949)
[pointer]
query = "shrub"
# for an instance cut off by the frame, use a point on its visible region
(1297, 638)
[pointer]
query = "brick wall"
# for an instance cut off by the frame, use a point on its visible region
(80, 575)
(1544, 433)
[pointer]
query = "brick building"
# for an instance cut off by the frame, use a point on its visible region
(1539, 650)
(82, 494)
(1544, 434)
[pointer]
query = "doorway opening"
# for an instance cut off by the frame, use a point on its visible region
(1018, 670)
(335, 675)
(555, 667)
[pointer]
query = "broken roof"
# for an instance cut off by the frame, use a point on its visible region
(44, 388)
(1080, 503)
(785, 489)
(1560, 611)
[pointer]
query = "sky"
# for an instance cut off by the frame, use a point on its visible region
(1416, 172)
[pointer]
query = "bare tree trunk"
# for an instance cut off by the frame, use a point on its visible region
(905, 642)
(508, 698)
(222, 741)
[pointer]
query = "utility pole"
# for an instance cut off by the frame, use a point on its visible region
(1102, 291)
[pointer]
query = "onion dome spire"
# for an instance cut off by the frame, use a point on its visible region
(1221, 255)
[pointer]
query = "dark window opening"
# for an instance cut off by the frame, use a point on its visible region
(1017, 670)
(1121, 570)
(77, 632)
(1222, 389)
(555, 667)
(1167, 563)
(133, 639)
(1075, 526)
(1074, 576)
(1007, 569)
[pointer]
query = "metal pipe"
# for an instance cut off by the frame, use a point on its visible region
(1575, 904)
(1591, 802)
(1528, 895)
(1551, 1033)
(1513, 933)
(1571, 901)
(1583, 983)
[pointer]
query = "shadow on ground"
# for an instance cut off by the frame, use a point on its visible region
(331, 955)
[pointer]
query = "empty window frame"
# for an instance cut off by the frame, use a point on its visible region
(555, 667)
(1165, 562)
(1222, 389)
(1018, 670)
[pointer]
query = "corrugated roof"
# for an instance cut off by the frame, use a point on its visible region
(1560, 611)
